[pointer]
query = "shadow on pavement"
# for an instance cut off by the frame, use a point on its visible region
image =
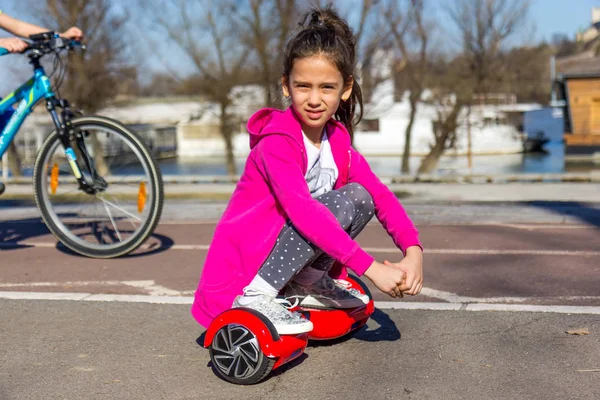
(585, 212)
(13, 233)
(386, 331)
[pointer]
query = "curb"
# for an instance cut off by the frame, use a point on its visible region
(592, 176)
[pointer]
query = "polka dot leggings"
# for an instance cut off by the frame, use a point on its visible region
(352, 206)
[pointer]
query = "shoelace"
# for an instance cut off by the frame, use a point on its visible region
(281, 301)
(344, 284)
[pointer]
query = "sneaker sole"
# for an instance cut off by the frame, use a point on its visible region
(311, 302)
(295, 329)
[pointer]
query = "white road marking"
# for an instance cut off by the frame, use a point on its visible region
(584, 253)
(149, 286)
(160, 294)
(383, 305)
(494, 252)
(532, 227)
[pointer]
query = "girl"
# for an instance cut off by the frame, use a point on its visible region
(303, 197)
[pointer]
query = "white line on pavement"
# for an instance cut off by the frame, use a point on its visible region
(149, 286)
(494, 252)
(585, 253)
(384, 305)
(152, 289)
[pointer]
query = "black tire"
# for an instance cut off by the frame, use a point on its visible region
(241, 364)
(62, 232)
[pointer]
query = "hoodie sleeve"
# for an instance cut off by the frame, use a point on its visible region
(281, 164)
(388, 209)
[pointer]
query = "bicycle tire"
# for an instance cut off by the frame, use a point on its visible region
(43, 204)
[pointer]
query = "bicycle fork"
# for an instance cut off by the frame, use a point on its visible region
(67, 134)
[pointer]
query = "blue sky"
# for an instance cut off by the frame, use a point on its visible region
(561, 16)
(546, 17)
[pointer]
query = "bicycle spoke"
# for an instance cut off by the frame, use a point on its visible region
(118, 208)
(113, 222)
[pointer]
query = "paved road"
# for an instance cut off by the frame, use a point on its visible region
(543, 254)
(550, 258)
(79, 350)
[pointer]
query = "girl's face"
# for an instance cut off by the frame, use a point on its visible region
(316, 88)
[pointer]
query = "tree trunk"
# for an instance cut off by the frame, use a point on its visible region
(14, 161)
(267, 84)
(226, 132)
(99, 161)
(430, 162)
(447, 131)
(408, 133)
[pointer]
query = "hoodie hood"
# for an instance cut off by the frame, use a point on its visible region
(268, 121)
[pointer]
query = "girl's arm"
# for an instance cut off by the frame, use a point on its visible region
(388, 209)
(25, 29)
(19, 28)
(280, 159)
(396, 222)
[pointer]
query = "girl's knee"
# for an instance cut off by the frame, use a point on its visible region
(360, 197)
(340, 206)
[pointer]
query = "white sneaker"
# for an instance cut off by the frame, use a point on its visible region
(325, 293)
(344, 284)
(285, 321)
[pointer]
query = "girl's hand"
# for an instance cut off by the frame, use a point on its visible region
(13, 45)
(412, 266)
(73, 33)
(388, 279)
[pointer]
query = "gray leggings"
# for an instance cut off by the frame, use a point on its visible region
(351, 205)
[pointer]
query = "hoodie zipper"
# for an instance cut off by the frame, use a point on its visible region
(349, 162)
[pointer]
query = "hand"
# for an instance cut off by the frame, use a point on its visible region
(13, 45)
(73, 33)
(412, 266)
(387, 278)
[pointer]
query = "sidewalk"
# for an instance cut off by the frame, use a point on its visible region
(589, 192)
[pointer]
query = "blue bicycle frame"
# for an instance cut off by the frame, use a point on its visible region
(27, 96)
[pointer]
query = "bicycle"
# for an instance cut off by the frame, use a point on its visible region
(82, 180)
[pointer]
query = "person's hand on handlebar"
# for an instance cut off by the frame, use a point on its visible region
(13, 45)
(73, 33)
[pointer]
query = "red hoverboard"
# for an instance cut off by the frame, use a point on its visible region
(245, 347)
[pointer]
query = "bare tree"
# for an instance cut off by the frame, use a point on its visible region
(93, 77)
(483, 26)
(207, 32)
(269, 23)
(408, 27)
(452, 91)
(97, 75)
(370, 36)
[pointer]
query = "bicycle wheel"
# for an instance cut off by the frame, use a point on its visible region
(114, 220)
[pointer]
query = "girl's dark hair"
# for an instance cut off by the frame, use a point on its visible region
(324, 32)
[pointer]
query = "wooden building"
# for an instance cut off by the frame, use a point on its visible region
(578, 85)
(581, 95)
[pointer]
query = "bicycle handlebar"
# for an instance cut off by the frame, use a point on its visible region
(47, 42)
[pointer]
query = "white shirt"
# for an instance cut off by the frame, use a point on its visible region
(321, 172)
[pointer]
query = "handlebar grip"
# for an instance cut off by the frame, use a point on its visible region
(3, 51)
(42, 36)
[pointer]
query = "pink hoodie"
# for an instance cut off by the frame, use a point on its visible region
(271, 190)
